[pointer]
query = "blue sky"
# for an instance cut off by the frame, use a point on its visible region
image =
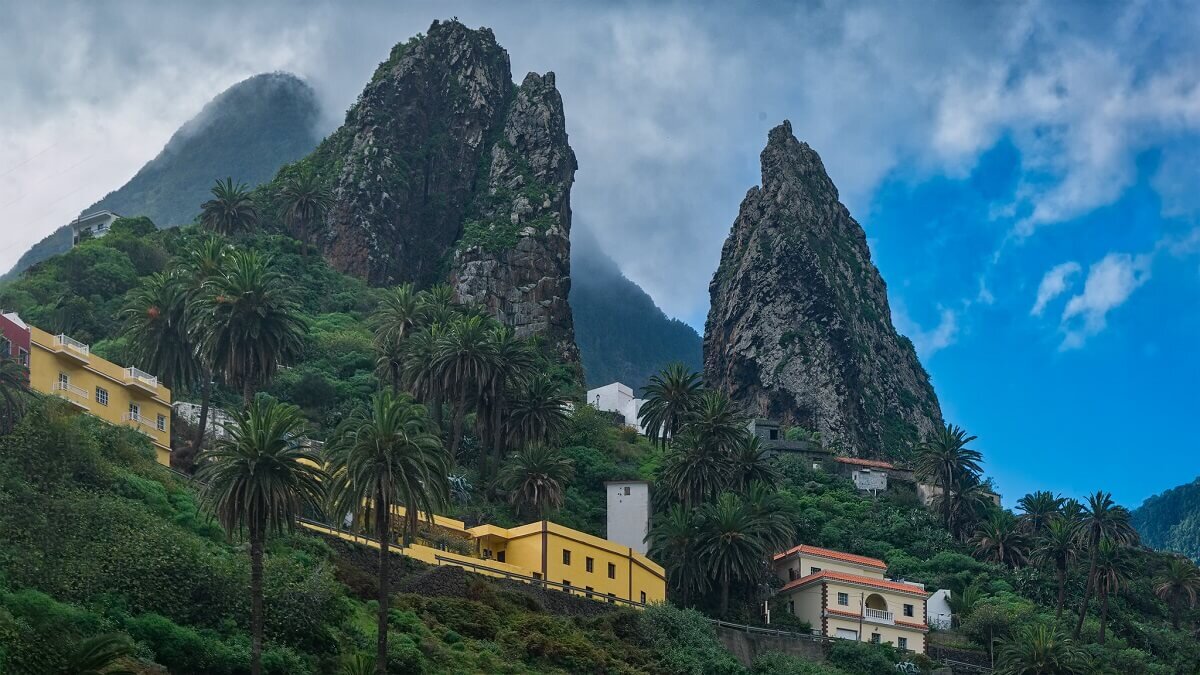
(995, 153)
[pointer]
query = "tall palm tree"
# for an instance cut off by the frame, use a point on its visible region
(160, 335)
(669, 397)
(101, 655)
(304, 200)
(775, 523)
(538, 411)
(693, 470)
(944, 460)
(395, 319)
(465, 360)
(1057, 547)
(750, 464)
(251, 321)
(675, 539)
(1038, 510)
(437, 305)
(231, 209)
(14, 389)
(1102, 519)
(1000, 540)
(513, 371)
(536, 479)
(421, 375)
(201, 261)
(1178, 585)
(259, 479)
(1039, 649)
(716, 418)
(731, 545)
(1072, 510)
(388, 455)
(1114, 568)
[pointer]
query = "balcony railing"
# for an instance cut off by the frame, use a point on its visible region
(138, 419)
(881, 615)
(141, 377)
(72, 344)
(71, 390)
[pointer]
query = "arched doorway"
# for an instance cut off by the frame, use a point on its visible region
(876, 608)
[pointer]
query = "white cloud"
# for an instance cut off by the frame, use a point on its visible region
(1109, 284)
(1054, 283)
(927, 341)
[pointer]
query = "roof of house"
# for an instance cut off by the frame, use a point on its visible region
(872, 463)
(835, 555)
(829, 575)
(898, 622)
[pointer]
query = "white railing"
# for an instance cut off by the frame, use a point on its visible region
(134, 417)
(141, 375)
(71, 389)
(878, 615)
(72, 343)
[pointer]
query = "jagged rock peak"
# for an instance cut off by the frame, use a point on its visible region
(799, 326)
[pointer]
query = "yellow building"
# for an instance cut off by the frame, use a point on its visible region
(847, 596)
(541, 552)
(66, 368)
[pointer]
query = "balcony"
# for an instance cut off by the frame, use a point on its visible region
(878, 615)
(142, 380)
(70, 392)
(72, 348)
(139, 422)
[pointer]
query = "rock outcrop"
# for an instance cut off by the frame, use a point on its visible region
(799, 326)
(445, 170)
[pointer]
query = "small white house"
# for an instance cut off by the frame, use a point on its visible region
(617, 398)
(938, 606)
(95, 224)
(628, 505)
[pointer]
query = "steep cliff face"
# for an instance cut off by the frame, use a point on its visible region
(446, 170)
(799, 326)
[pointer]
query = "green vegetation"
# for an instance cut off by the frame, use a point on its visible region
(1171, 521)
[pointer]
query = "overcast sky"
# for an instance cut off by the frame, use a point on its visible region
(1024, 167)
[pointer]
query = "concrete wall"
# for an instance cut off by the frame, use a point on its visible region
(748, 646)
(628, 514)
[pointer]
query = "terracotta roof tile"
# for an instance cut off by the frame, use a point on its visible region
(873, 463)
(834, 555)
(856, 579)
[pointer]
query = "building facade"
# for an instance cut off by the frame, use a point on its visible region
(14, 338)
(848, 596)
(63, 367)
(92, 225)
(620, 399)
(628, 504)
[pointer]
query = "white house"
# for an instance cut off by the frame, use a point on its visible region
(628, 513)
(95, 224)
(617, 398)
(938, 606)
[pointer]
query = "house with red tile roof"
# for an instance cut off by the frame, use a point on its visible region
(848, 596)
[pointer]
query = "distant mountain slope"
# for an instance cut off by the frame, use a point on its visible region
(622, 335)
(1171, 521)
(247, 132)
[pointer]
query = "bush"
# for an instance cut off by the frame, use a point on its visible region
(863, 658)
(778, 663)
(684, 641)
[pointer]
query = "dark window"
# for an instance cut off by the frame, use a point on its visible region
(612, 571)
(500, 556)
(537, 575)
(626, 489)
(791, 574)
(844, 599)
(23, 356)
(902, 643)
(774, 434)
(161, 423)
(589, 564)
(566, 586)
(791, 607)
(874, 638)
(814, 570)
(643, 597)
(5, 346)
(612, 599)
(566, 557)
(588, 591)
(908, 610)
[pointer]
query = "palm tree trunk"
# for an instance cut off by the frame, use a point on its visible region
(724, 597)
(1103, 611)
(247, 392)
(382, 522)
(460, 409)
(435, 409)
(1062, 591)
(256, 598)
(205, 397)
(1087, 593)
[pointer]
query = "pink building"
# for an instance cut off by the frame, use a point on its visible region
(14, 338)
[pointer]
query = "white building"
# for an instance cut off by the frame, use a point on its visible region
(217, 419)
(95, 224)
(938, 607)
(617, 398)
(628, 513)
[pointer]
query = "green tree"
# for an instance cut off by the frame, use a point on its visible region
(251, 321)
(200, 262)
(259, 479)
(1001, 540)
(543, 404)
(387, 456)
(693, 470)
(751, 464)
(1038, 510)
(1057, 547)
(674, 538)
(774, 519)
(1102, 519)
(732, 547)
(157, 326)
(715, 418)
(231, 209)
(1177, 586)
(1039, 649)
(669, 398)
(394, 320)
(304, 200)
(464, 358)
(101, 655)
(1113, 572)
(14, 390)
(943, 461)
(538, 411)
(535, 479)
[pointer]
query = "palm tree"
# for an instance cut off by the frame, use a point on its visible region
(1039, 509)
(1102, 519)
(1000, 540)
(160, 335)
(538, 411)
(1113, 571)
(305, 200)
(944, 460)
(14, 389)
(100, 655)
(716, 418)
(669, 397)
(202, 261)
(536, 479)
(395, 319)
(513, 371)
(260, 478)
(1072, 510)
(675, 538)
(437, 305)
(1178, 585)
(358, 664)
(751, 464)
(231, 210)
(251, 321)
(731, 544)
(962, 602)
(1057, 548)
(1038, 649)
(693, 471)
(465, 360)
(775, 523)
(388, 455)
(421, 375)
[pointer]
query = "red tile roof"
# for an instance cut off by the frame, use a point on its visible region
(873, 463)
(856, 579)
(854, 615)
(833, 555)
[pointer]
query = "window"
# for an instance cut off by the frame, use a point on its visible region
(588, 591)
(23, 356)
(612, 599)
(566, 557)
(791, 574)
(566, 586)
(161, 423)
(792, 607)
(63, 380)
(814, 570)
(627, 493)
(5, 346)
(902, 642)
(135, 411)
(774, 434)
(612, 571)
(844, 599)
(101, 396)
(537, 575)
(874, 638)
(589, 564)
(500, 556)
(643, 597)
(908, 610)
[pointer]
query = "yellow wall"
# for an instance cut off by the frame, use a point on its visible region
(47, 361)
(892, 634)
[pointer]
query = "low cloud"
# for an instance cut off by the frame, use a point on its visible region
(1054, 284)
(927, 341)
(1110, 283)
